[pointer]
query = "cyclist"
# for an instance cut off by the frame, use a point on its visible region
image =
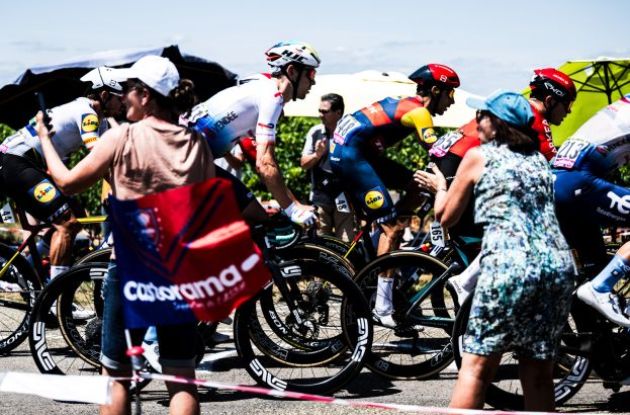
(23, 173)
(585, 200)
(253, 108)
(552, 95)
(356, 157)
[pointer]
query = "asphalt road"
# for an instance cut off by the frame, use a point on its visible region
(224, 368)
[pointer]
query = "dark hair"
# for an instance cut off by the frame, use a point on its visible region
(520, 140)
(336, 101)
(179, 101)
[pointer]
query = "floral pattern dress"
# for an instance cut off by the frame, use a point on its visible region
(523, 294)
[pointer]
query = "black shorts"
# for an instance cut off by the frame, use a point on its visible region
(243, 195)
(31, 188)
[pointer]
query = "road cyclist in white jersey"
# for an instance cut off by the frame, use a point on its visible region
(252, 108)
(23, 172)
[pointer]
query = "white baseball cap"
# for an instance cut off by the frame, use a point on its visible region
(156, 72)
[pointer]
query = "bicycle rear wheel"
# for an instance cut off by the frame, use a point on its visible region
(420, 346)
(335, 331)
(19, 287)
(571, 370)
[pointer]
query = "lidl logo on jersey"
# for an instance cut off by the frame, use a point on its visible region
(429, 136)
(374, 199)
(44, 192)
(89, 123)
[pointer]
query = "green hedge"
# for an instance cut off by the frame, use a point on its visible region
(291, 136)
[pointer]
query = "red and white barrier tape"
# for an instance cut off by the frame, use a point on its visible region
(333, 401)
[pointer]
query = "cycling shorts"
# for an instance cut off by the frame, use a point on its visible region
(31, 188)
(584, 203)
(365, 179)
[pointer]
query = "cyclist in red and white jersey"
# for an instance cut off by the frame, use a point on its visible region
(252, 108)
(23, 174)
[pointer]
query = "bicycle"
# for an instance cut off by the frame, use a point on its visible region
(21, 281)
(589, 342)
(297, 327)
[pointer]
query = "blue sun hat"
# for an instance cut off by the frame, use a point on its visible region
(508, 106)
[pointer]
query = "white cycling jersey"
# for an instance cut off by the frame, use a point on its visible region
(251, 108)
(603, 140)
(75, 124)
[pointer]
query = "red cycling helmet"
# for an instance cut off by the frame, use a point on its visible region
(435, 74)
(550, 81)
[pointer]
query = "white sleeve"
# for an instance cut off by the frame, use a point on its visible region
(308, 143)
(269, 110)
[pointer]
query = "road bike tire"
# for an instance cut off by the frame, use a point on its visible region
(19, 287)
(571, 370)
(343, 324)
(420, 347)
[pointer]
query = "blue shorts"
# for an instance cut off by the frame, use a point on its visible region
(177, 342)
(366, 180)
(584, 203)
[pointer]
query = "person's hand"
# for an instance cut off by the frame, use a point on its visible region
(43, 127)
(430, 181)
(300, 214)
(321, 146)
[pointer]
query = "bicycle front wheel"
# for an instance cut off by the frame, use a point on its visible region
(419, 347)
(19, 288)
(324, 342)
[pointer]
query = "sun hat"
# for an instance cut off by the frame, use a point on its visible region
(508, 106)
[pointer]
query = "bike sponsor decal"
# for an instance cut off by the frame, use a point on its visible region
(575, 378)
(41, 348)
(44, 191)
(267, 377)
(374, 199)
(89, 123)
(361, 347)
(291, 271)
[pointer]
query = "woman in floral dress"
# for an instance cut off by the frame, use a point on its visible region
(522, 298)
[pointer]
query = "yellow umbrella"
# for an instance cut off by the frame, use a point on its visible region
(599, 82)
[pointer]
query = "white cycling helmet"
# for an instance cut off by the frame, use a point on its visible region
(283, 53)
(102, 77)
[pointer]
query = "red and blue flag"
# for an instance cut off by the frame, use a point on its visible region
(184, 254)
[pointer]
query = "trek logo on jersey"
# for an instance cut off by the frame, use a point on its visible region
(428, 135)
(374, 199)
(621, 203)
(223, 122)
(44, 191)
(89, 123)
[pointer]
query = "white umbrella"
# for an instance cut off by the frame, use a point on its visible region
(363, 88)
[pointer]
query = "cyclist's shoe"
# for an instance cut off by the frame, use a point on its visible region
(457, 289)
(606, 303)
(10, 287)
(386, 320)
(80, 313)
(228, 320)
(152, 355)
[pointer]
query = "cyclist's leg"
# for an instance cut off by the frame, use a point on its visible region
(605, 205)
(369, 194)
(66, 229)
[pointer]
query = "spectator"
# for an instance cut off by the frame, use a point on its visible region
(335, 217)
(522, 298)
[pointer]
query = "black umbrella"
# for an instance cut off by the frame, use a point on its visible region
(61, 84)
